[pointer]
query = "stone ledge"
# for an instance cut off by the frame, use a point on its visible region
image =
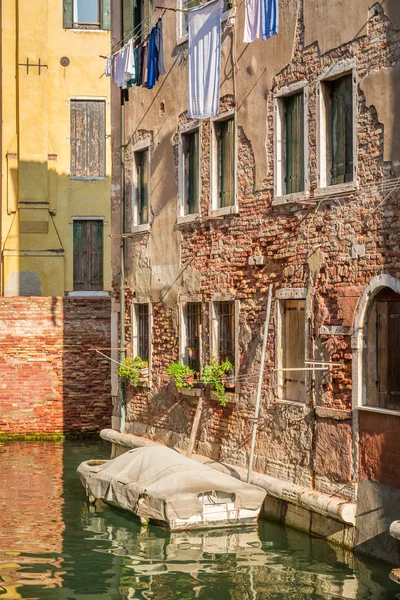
(333, 413)
(334, 507)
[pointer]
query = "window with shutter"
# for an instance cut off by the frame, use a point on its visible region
(190, 171)
(294, 143)
(225, 156)
(226, 330)
(86, 14)
(193, 334)
(88, 255)
(88, 148)
(141, 331)
(387, 354)
(141, 206)
(341, 130)
(294, 350)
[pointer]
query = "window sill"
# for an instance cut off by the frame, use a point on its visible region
(75, 178)
(376, 409)
(88, 294)
(226, 210)
(192, 218)
(86, 29)
(193, 393)
(228, 14)
(141, 228)
(297, 403)
(339, 188)
(289, 198)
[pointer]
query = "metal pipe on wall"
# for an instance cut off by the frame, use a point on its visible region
(122, 267)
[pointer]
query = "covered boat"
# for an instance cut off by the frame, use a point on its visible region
(160, 485)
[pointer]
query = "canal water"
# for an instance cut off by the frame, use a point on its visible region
(53, 546)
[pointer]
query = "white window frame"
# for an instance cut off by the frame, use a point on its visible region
(184, 300)
(341, 69)
(186, 129)
(280, 143)
(95, 26)
(214, 330)
(136, 227)
(134, 329)
(215, 210)
(281, 296)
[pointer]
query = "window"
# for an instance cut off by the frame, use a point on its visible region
(291, 140)
(224, 195)
(193, 334)
(337, 109)
(88, 255)
(293, 349)
(86, 14)
(189, 173)
(141, 187)
(88, 156)
(383, 352)
(141, 331)
(136, 17)
(223, 344)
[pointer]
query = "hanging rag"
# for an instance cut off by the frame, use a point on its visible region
(151, 79)
(129, 63)
(270, 18)
(253, 20)
(160, 68)
(204, 25)
(140, 65)
(108, 69)
(145, 68)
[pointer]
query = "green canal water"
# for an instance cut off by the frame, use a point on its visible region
(53, 547)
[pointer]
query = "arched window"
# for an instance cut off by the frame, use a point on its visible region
(382, 351)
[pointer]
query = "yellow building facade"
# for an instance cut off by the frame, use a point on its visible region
(55, 147)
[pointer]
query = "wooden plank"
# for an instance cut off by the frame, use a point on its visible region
(294, 349)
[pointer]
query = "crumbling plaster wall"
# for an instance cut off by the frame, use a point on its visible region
(301, 246)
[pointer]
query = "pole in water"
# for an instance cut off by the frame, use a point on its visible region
(260, 379)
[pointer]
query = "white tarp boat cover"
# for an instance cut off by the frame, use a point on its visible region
(159, 483)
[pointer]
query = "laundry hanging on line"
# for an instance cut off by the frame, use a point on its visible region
(261, 19)
(204, 27)
(140, 64)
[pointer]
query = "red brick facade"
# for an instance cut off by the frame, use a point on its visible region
(51, 380)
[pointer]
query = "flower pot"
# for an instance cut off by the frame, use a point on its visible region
(230, 379)
(193, 353)
(144, 373)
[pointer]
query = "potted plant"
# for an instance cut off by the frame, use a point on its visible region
(183, 375)
(134, 369)
(214, 375)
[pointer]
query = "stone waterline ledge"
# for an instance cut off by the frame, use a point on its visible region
(295, 505)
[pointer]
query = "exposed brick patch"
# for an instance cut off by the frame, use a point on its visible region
(51, 381)
(379, 448)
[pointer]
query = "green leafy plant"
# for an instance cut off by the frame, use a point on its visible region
(214, 375)
(182, 375)
(132, 369)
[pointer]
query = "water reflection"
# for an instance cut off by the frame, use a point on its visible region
(53, 546)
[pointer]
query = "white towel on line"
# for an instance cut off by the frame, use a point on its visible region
(253, 21)
(204, 25)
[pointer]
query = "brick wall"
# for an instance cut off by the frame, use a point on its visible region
(51, 381)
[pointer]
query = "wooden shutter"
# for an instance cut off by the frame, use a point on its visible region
(193, 173)
(142, 159)
(294, 350)
(227, 162)
(388, 354)
(68, 19)
(88, 255)
(106, 14)
(87, 138)
(127, 17)
(294, 143)
(342, 130)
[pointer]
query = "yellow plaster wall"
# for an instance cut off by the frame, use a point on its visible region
(36, 145)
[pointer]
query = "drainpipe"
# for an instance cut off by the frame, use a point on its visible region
(1, 154)
(122, 266)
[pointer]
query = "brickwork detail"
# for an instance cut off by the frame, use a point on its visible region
(51, 381)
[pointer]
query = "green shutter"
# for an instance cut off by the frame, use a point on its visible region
(68, 20)
(127, 17)
(106, 14)
(294, 144)
(342, 130)
(193, 192)
(95, 252)
(81, 261)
